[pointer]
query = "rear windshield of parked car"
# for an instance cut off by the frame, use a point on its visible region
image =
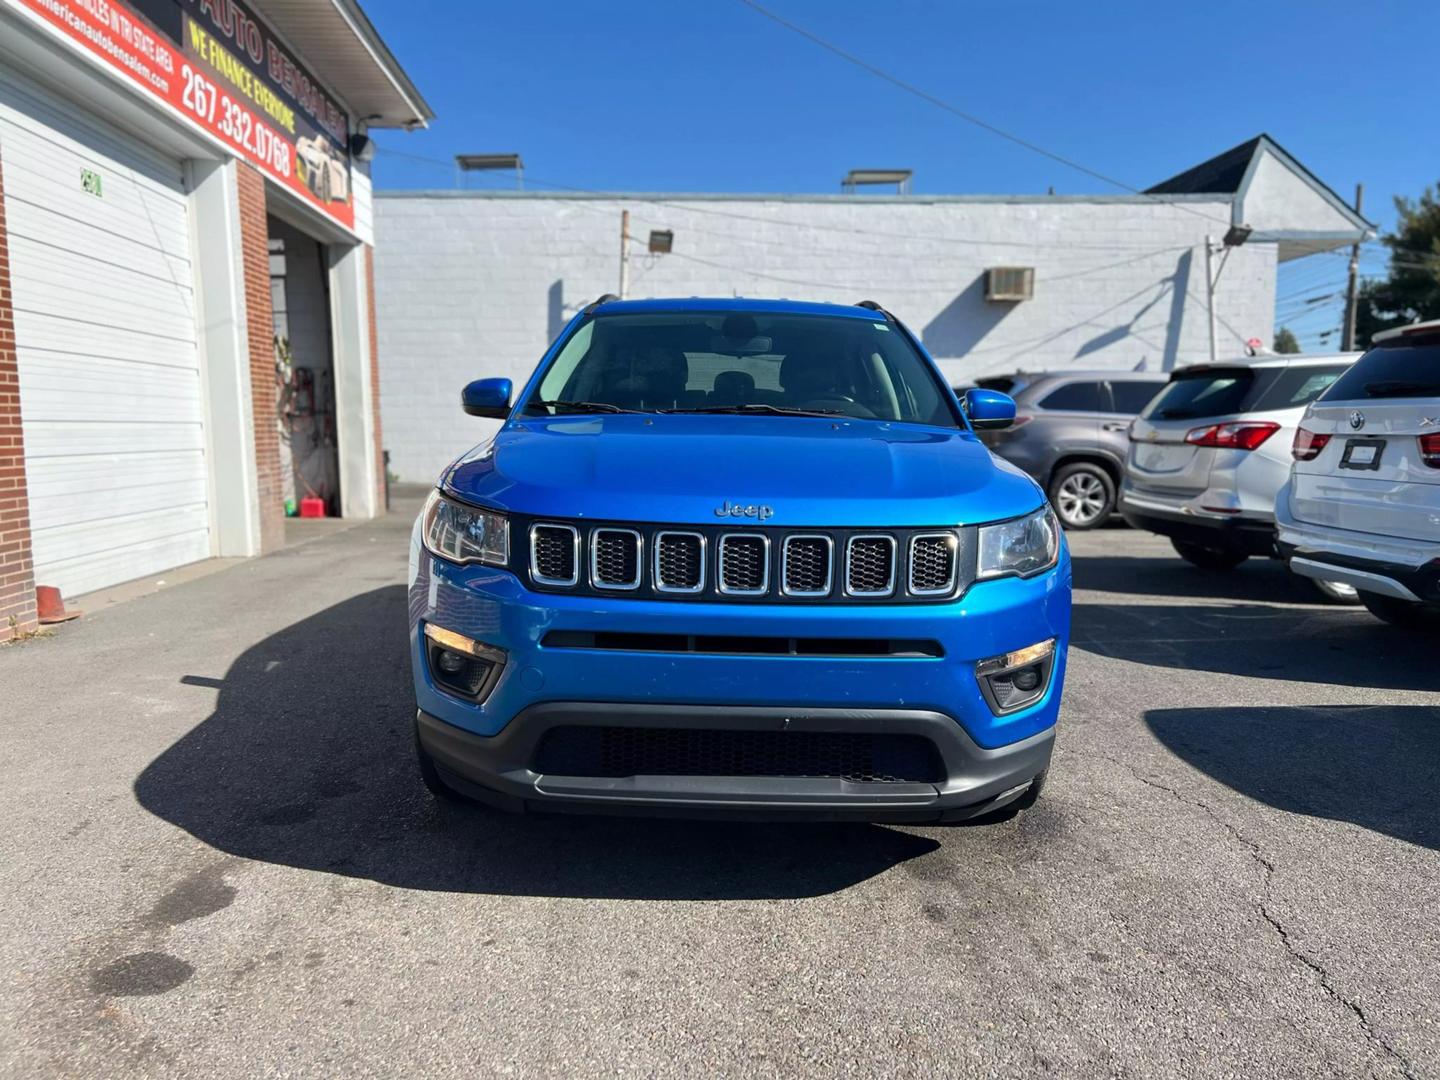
(717, 361)
(1393, 371)
(1074, 397)
(1003, 383)
(1206, 392)
(1294, 388)
(1131, 396)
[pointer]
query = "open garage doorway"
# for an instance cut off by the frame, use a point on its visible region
(304, 371)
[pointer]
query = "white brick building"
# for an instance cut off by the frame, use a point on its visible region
(474, 284)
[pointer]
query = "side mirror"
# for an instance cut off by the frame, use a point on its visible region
(491, 397)
(988, 409)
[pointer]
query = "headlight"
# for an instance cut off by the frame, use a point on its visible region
(465, 534)
(1023, 547)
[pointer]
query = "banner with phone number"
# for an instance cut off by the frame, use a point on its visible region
(216, 65)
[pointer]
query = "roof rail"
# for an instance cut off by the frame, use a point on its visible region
(873, 306)
(602, 299)
(1415, 329)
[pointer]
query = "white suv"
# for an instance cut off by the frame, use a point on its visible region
(1362, 504)
(1212, 449)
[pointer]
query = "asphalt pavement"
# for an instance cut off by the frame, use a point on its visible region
(217, 860)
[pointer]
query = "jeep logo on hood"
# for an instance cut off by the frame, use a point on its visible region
(729, 509)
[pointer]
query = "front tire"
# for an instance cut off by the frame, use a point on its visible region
(1207, 558)
(1083, 495)
(1403, 613)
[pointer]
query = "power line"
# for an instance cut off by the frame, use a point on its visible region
(969, 118)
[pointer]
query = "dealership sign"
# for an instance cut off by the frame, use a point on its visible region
(218, 65)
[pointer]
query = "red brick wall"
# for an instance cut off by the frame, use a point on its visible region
(260, 328)
(17, 578)
(375, 378)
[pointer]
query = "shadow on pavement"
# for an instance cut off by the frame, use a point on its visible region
(1257, 579)
(1335, 646)
(307, 761)
(1375, 766)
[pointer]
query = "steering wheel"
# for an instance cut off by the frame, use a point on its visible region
(851, 406)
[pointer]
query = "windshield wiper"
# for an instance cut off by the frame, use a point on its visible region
(1400, 388)
(581, 406)
(759, 407)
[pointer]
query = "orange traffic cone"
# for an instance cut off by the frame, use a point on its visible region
(50, 606)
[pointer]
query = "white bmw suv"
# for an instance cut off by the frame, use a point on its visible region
(1362, 504)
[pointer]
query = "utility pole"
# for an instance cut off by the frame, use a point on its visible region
(1210, 294)
(1352, 292)
(624, 254)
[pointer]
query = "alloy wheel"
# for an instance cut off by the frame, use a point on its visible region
(1080, 499)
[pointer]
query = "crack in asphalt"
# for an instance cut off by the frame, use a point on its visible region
(1262, 907)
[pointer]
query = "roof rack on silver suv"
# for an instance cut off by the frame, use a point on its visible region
(1430, 326)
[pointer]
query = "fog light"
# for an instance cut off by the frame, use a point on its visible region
(1016, 679)
(463, 665)
(451, 663)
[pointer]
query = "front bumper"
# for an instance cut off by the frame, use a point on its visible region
(498, 769)
(491, 746)
(1243, 533)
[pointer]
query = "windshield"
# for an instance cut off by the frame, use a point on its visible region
(766, 364)
(1394, 371)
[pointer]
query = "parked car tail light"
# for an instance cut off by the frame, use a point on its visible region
(1242, 435)
(1021, 419)
(1430, 450)
(1308, 444)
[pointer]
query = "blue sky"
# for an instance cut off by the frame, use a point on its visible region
(708, 95)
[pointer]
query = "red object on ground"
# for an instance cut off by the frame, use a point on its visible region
(50, 606)
(311, 507)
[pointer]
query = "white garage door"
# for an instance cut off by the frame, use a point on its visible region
(110, 394)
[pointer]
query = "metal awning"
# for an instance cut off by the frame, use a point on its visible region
(337, 41)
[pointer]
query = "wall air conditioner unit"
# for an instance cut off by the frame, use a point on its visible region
(1010, 283)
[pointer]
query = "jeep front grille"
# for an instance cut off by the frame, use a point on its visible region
(555, 554)
(870, 566)
(932, 564)
(615, 558)
(679, 562)
(805, 565)
(744, 564)
(762, 564)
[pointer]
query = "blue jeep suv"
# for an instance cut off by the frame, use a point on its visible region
(738, 557)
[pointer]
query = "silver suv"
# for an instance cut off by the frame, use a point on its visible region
(1071, 434)
(1210, 453)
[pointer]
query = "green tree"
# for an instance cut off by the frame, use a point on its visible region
(1411, 292)
(1285, 341)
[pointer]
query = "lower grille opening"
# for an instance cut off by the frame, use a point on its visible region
(729, 645)
(632, 751)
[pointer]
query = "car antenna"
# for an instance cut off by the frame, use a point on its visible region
(603, 299)
(871, 305)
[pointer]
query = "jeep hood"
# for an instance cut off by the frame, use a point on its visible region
(667, 469)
